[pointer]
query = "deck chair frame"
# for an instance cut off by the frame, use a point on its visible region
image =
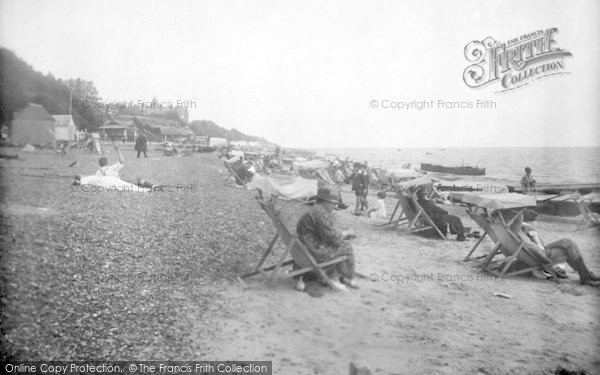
(499, 266)
(286, 167)
(410, 218)
(292, 243)
(232, 178)
(487, 232)
(588, 220)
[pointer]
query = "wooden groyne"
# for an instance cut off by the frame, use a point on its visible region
(558, 188)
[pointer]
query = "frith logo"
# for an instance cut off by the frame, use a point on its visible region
(515, 63)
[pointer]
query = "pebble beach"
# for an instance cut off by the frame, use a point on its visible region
(151, 276)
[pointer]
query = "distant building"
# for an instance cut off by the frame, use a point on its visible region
(32, 125)
(64, 128)
(217, 142)
(200, 139)
(183, 113)
(238, 143)
(158, 109)
(113, 131)
(161, 129)
(152, 109)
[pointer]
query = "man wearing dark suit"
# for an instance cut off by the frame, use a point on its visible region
(141, 145)
(442, 219)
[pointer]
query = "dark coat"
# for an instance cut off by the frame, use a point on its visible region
(359, 184)
(441, 218)
(141, 143)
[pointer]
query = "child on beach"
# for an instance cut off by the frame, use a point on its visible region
(379, 210)
(527, 181)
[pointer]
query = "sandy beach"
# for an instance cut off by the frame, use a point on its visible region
(154, 279)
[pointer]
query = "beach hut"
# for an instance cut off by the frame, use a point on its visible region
(64, 128)
(113, 132)
(32, 125)
(128, 130)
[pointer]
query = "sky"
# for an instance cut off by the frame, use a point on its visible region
(323, 73)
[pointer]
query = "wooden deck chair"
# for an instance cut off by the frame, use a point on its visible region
(413, 215)
(480, 220)
(510, 248)
(293, 248)
(286, 166)
(232, 178)
(589, 219)
(323, 176)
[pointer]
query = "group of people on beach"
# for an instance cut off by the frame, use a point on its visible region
(317, 230)
(360, 186)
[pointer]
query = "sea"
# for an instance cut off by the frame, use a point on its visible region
(550, 165)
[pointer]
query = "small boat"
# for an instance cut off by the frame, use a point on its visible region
(463, 170)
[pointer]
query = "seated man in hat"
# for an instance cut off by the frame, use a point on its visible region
(316, 230)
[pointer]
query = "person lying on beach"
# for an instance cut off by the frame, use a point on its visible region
(110, 170)
(442, 219)
(109, 176)
(379, 210)
(561, 251)
(316, 230)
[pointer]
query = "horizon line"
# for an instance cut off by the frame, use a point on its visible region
(429, 147)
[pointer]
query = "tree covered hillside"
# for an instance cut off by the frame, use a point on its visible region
(21, 84)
